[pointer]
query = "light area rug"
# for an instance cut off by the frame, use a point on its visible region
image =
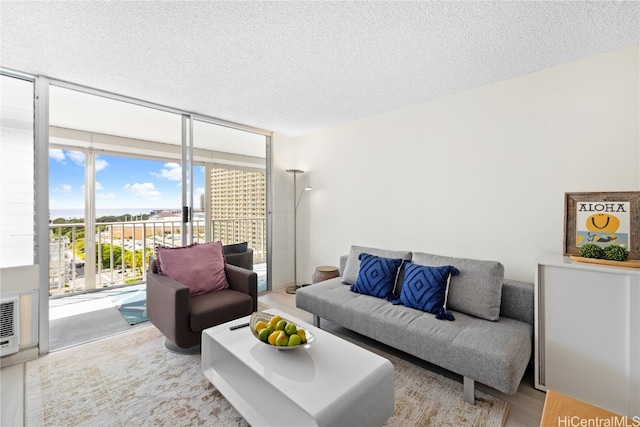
(131, 379)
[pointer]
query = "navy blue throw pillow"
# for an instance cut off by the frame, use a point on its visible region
(377, 276)
(425, 288)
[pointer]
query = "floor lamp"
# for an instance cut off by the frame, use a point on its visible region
(296, 202)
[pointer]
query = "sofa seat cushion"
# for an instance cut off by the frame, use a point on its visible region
(390, 324)
(218, 307)
(493, 353)
(332, 297)
(500, 351)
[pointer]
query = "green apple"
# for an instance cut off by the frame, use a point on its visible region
(264, 333)
(291, 328)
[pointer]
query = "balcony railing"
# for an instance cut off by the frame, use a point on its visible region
(123, 249)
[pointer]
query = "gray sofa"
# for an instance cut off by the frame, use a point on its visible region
(490, 340)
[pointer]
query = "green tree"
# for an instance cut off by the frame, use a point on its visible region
(67, 231)
(106, 256)
(80, 246)
(136, 264)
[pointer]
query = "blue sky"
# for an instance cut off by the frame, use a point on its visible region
(121, 182)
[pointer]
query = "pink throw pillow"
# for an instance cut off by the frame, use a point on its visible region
(200, 267)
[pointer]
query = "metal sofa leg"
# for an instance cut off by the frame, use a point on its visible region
(469, 391)
(316, 321)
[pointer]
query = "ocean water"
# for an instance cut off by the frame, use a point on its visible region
(79, 213)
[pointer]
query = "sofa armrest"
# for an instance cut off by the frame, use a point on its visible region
(243, 280)
(517, 301)
(343, 263)
(167, 303)
(241, 259)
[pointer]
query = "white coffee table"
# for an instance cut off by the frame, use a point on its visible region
(331, 383)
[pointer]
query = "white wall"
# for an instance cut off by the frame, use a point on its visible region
(22, 282)
(481, 174)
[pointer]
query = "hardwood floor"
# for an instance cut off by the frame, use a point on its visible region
(12, 395)
(525, 410)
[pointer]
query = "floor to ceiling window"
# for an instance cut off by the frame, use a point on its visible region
(152, 166)
(235, 193)
(137, 205)
(100, 164)
(112, 161)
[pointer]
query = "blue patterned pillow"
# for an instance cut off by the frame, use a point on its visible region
(377, 276)
(425, 288)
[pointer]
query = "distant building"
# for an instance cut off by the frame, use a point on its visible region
(238, 208)
(59, 261)
(161, 214)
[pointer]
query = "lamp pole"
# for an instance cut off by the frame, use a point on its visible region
(296, 202)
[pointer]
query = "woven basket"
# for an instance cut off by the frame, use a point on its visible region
(324, 272)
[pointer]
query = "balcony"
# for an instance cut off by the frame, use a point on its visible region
(124, 248)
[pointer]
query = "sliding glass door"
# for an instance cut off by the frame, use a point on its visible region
(116, 169)
(111, 178)
(127, 177)
(235, 193)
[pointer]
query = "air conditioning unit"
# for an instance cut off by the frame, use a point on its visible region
(9, 328)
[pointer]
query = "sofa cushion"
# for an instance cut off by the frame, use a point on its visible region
(215, 308)
(492, 353)
(200, 267)
(476, 290)
(377, 276)
(352, 267)
(425, 288)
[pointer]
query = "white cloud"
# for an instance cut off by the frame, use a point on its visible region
(62, 188)
(77, 157)
(101, 164)
(103, 196)
(170, 171)
(145, 190)
(57, 155)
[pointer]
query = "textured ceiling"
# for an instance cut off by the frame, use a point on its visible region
(296, 67)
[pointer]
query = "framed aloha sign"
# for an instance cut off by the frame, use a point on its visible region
(603, 219)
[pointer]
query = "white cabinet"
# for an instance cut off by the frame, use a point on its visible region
(587, 332)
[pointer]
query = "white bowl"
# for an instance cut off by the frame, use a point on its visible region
(261, 315)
